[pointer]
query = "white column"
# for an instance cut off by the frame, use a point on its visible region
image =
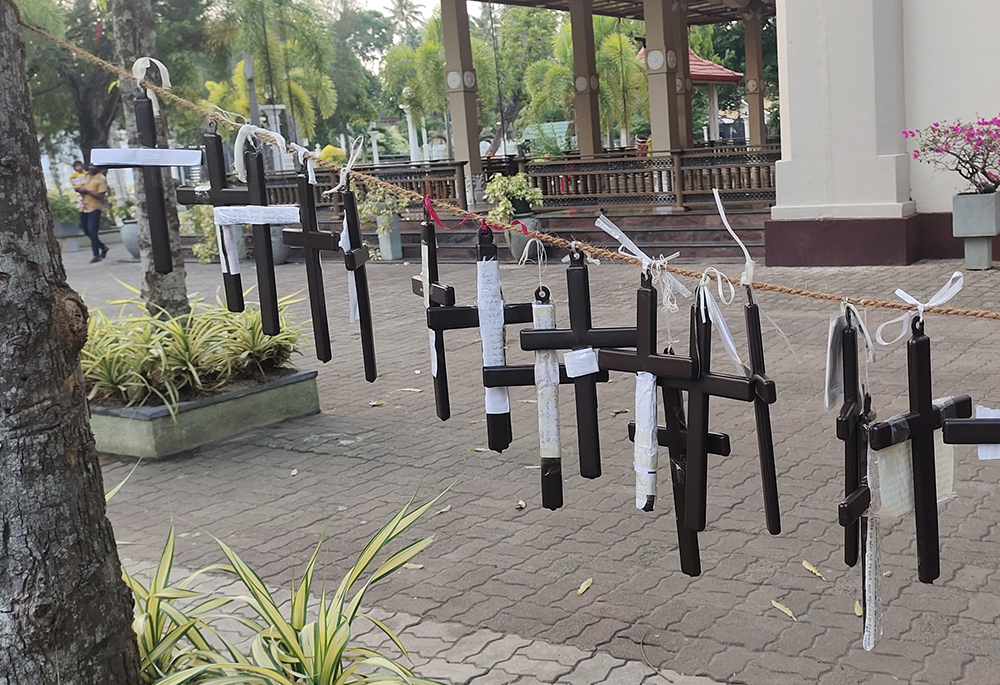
(713, 111)
(842, 110)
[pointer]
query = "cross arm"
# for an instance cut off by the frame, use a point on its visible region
(850, 415)
(854, 507)
(452, 318)
(317, 240)
(567, 339)
(899, 427)
(968, 431)
(224, 197)
(356, 257)
(441, 295)
(514, 376)
(718, 443)
(658, 365)
(717, 385)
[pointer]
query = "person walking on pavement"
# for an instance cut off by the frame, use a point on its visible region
(92, 192)
(77, 179)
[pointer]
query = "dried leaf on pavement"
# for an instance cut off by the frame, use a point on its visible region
(377, 403)
(616, 412)
(414, 566)
(444, 510)
(858, 609)
(783, 609)
(410, 390)
(812, 569)
(585, 585)
(478, 449)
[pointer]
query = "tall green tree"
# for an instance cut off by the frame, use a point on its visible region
(406, 20)
(65, 614)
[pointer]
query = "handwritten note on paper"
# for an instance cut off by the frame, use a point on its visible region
(547, 386)
(645, 451)
(581, 362)
(490, 306)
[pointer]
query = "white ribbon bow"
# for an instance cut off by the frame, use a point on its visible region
(947, 291)
(710, 311)
(305, 158)
(249, 131)
(139, 68)
(746, 278)
(345, 171)
(656, 268)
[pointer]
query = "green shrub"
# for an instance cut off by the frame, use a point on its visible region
(135, 359)
(502, 189)
(199, 220)
(63, 207)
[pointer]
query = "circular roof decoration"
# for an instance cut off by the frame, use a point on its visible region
(469, 78)
(752, 85)
(454, 80)
(671, 59)
(593, 83)
(581, 83)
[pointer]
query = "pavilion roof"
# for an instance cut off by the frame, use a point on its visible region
(703, 70)
(699, 11)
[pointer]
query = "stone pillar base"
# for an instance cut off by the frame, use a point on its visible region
(978, 253)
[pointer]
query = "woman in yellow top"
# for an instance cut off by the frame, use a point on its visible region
(92, 193)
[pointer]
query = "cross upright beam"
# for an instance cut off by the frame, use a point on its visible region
(220, 194)
(581, 335)
(762, 415)
(313, 241)
(355, 257)
(852, 428)
(918, 426)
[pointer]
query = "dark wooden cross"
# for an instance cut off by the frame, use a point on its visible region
(355, 256)
(152, 180)
(673, 436)
(444, 315)
(762, 415)
(918, 426)
(524, 375)
(972, 431)
(852, 427)
(313, 241)
(579, 336)
(221, 194)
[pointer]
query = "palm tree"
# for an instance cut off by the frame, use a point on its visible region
(624, 90)
(406, 20)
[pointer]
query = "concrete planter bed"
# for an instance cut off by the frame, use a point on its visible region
(151, 433)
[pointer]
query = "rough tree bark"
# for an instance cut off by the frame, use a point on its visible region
(65, 614)
(135, 37)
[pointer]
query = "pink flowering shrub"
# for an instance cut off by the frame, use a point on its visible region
(973, 150)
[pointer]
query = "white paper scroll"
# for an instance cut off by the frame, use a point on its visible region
(581, 362)
(873, 581)
(547, 387)
(257, 215)
(352, 277)
(425, 278)
(144, 156)
(490, 307)
(895, 476)
(229, 237)
(988, 452)
(645, 452)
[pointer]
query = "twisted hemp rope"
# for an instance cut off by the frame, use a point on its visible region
(599, 252)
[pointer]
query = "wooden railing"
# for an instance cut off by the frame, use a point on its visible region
(443, 181)
(743, 174)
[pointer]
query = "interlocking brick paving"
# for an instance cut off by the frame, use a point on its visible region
(497, 593)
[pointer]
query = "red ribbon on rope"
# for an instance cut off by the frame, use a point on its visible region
(524, 229)
(432, 213)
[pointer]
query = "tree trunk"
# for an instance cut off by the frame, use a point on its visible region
(65, 614)
(95, 109)
(135, 37)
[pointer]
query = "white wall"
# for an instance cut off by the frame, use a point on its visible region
(952, 71)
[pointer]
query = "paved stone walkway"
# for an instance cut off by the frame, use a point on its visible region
(496, 598)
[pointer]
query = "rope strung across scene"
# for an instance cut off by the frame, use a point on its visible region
(599, 252)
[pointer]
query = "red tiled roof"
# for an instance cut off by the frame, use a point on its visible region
(703, 70)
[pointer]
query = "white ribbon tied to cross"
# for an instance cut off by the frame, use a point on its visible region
(251, 132)
(746, 278)
(305, 157)
(947, 291)
(345, 171)
(352, 276)
(139, 69)
(656, 268)
(710, 311)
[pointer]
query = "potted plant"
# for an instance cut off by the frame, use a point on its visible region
(163, 385)
(973, 151)
(383, 208)
(65, 211)
(513, 198)
(124, 215)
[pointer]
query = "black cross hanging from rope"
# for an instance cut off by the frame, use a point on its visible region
(581, 336)
(313, 241)
(150, 159)
(704, 385)
(918, 426)
(524, 375)
(444, 315)
(355, 256)
(221, 194)
(852, 427)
